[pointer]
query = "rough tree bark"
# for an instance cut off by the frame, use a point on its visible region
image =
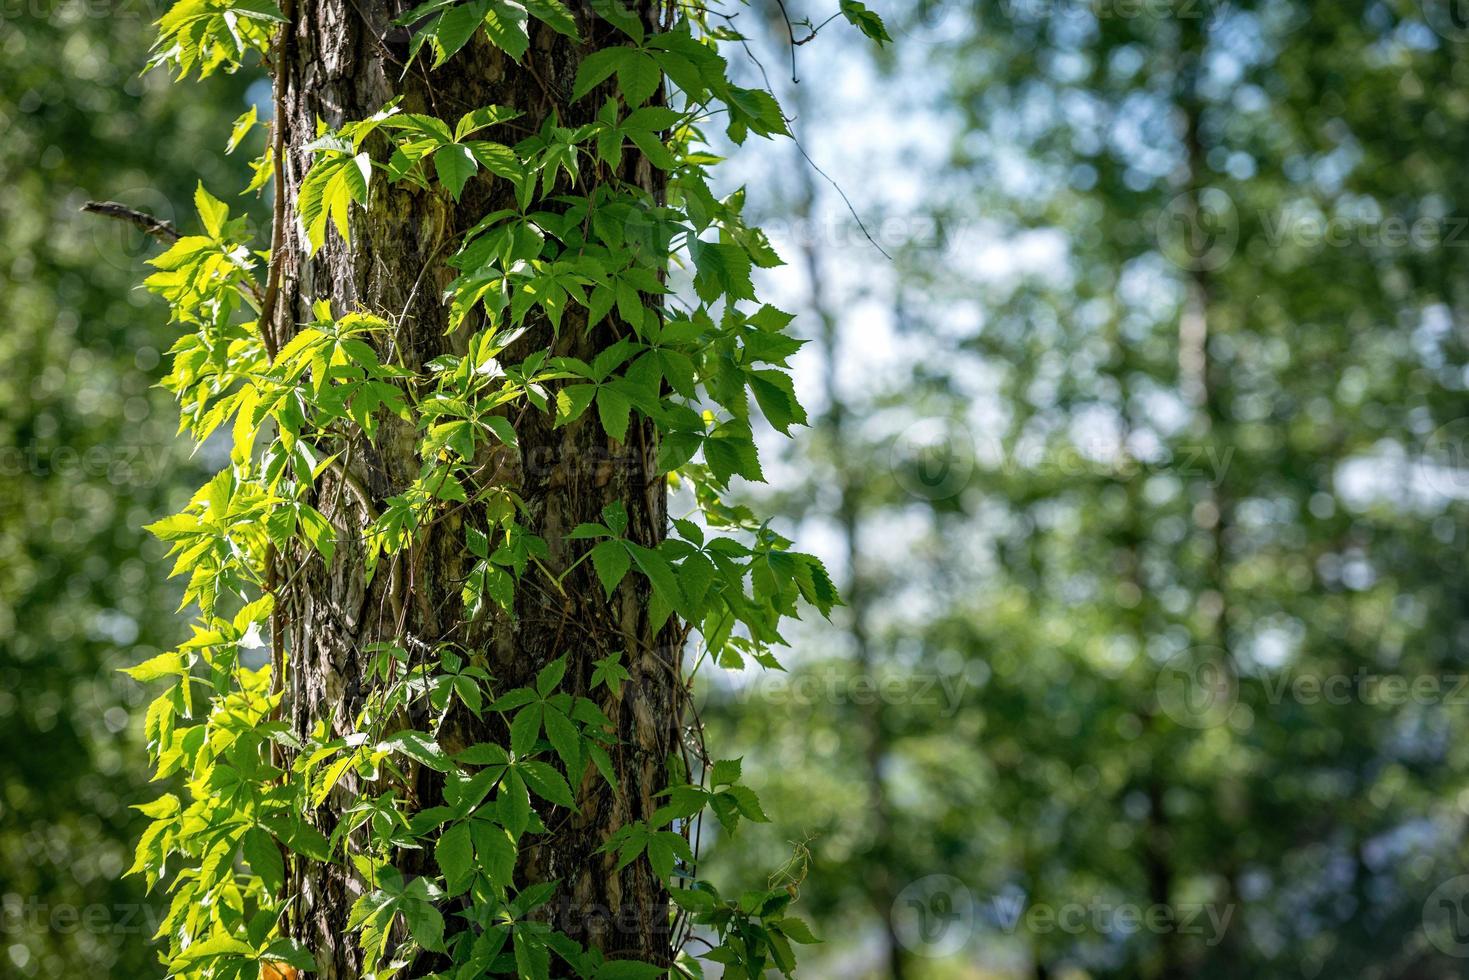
(342, 60)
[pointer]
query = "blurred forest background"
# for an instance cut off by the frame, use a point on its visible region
(1141, 452)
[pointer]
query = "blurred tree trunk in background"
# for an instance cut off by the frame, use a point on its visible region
(1201, 306)
(845, 459)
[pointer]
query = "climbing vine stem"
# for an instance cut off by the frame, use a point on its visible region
(452, 770)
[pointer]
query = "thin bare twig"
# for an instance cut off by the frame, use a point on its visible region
(278, 212)
(162, 230)
(845, 200)
(791, 34)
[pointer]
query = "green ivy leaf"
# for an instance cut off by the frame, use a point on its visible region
(513, 803)
(564, 738)
(419, 747)
(525, 729)
(505, 23)
(615, 514)
(865, 21)
(572, 401)
(547, 782)
(555, 15)
(455, 855)
(425, 924)
(797, 931)
(496, 850)
(212, 211)
(454, 164)
(484, 754)
(482, 118)
(776, 395)
(596, 68)
(638, 76)
(610, 673)
(721, 270)
(454, 28)
(173, 664)
(287, 950)
(549, 676)
(730, 451)
(615, 411)
(724, 772)
(611, 560)
(264, 857)
(532, 960)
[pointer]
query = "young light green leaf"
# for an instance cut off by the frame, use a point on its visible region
(212, 211)
(241, 128)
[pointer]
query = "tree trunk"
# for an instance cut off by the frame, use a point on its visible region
(342, 60)
(883, 849)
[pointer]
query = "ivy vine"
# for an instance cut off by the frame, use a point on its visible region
(225, 847)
